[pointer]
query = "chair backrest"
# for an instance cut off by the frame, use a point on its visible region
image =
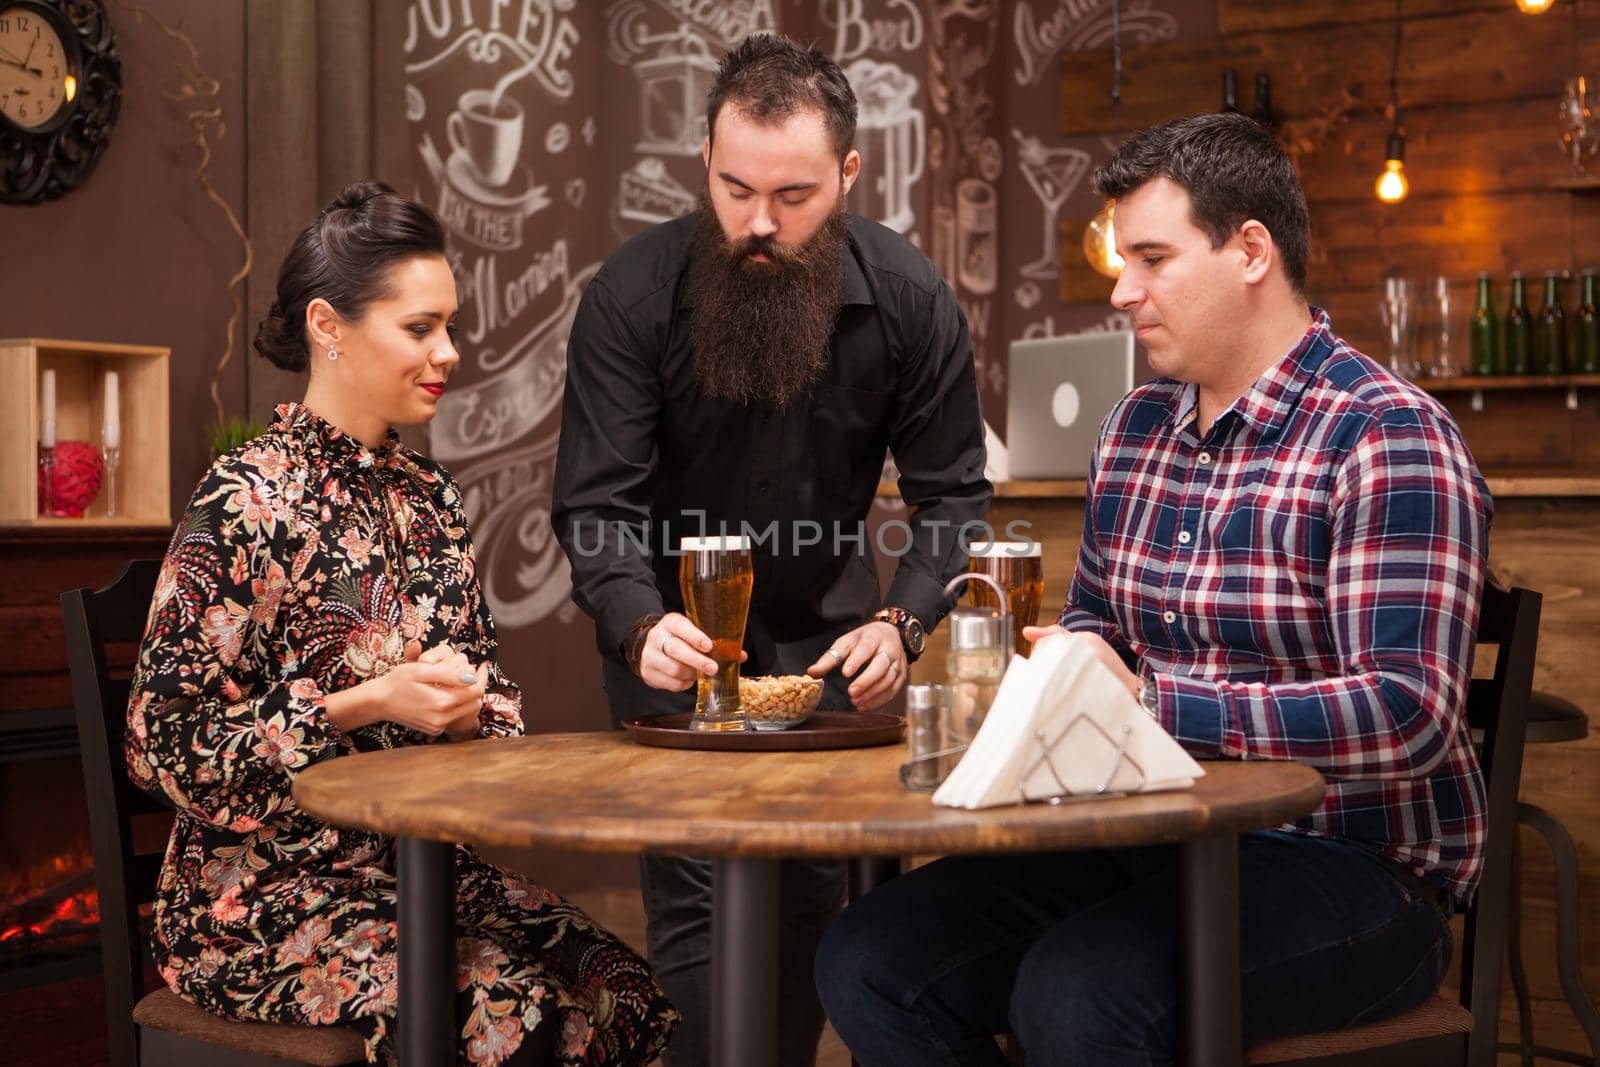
(1498, 707)
(125, 877)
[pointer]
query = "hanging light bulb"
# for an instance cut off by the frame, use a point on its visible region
(1100, 243)
(1099, 238)
(1534, 7)
(1392, 185)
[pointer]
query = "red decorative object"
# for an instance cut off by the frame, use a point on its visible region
(76, 480)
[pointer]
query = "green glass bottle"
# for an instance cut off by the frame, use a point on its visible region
(1517, 352)
(1485, 331)
(1550, 336)
(1586, 331)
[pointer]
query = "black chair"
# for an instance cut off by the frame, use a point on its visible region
(1552, 720)
(159, 1028)
(1463, 1032)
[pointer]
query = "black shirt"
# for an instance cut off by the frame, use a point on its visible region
(644, 450)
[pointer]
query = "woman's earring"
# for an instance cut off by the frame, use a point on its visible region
(333, 353)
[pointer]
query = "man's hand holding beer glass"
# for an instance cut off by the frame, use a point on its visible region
(675, 653)
(874, 660)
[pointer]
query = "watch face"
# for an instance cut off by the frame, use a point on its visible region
(914, 635)
(36, 77)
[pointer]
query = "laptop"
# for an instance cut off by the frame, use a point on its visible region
(1061, 388)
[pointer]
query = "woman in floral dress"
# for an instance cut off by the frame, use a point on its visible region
(320, 597)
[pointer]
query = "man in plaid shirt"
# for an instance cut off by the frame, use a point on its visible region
(1282, 553)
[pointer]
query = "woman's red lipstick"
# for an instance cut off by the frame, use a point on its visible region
(436, 388)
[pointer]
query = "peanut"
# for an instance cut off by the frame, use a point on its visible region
(788, 698)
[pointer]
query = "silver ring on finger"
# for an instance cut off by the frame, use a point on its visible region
(664, 639)
(837, 659)
(886, 656)
(894, 669)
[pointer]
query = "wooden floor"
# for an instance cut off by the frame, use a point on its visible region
(61, 1025)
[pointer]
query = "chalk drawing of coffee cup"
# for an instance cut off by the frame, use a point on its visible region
(488, 132)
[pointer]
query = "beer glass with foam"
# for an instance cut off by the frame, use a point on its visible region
(715, 575)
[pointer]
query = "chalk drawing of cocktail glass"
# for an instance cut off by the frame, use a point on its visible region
(1052, 174)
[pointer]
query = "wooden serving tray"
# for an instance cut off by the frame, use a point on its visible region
(825, 729)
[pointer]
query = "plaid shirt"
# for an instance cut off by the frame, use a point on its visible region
(1302, 582)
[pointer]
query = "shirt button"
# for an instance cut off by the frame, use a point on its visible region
(1169, 617)
(1205, 457)
(1183, 537)
(761, 486)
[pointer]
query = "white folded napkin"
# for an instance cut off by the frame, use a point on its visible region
(1063, 693)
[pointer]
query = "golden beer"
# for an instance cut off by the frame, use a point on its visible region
(715, 575)
(1019, 568)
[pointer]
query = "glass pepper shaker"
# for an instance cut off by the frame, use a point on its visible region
(980, 649)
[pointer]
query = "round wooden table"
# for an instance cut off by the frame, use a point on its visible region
(600, 792)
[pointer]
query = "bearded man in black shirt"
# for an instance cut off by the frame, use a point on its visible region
(745, 370)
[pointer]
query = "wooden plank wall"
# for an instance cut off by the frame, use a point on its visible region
(1479, 85)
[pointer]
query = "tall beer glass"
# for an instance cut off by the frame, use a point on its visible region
(1019, 568)
(715, 575)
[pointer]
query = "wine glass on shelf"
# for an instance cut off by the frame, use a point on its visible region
(1579, 138)
(1439, 358)
(1397, 312)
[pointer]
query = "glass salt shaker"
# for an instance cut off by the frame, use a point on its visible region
(926, 710)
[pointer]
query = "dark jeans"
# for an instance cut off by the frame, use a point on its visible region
(1080, 954)
(677, 907)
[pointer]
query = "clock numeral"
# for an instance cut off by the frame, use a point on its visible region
(5, 25)
(22, 23)
(22, 110)
(49, 50)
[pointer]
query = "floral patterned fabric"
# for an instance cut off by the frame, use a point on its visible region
(304, 565)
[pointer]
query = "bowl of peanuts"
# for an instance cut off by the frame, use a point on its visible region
(777, 703)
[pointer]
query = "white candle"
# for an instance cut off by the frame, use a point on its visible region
(111, 423)
(47, 410)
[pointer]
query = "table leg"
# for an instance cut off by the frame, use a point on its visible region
(867, 873)
(426, 876)
(1211, 944)
(744, 962)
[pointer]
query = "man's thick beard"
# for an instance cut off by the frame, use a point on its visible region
(760, 331)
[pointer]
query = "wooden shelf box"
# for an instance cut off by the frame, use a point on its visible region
(143, 476)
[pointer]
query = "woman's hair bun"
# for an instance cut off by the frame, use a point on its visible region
(354, 196)
(281, 341)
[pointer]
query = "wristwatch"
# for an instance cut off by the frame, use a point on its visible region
(912, 637)
(1150, 698)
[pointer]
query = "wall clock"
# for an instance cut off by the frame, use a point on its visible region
(60, 92)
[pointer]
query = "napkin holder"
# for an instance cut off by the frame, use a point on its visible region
(1047, 748)
(1063, 726)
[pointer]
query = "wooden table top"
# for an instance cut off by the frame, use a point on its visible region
(601, 792)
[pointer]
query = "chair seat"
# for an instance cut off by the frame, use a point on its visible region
(1550, 718)
(324, 1046)
(1437, 1017)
